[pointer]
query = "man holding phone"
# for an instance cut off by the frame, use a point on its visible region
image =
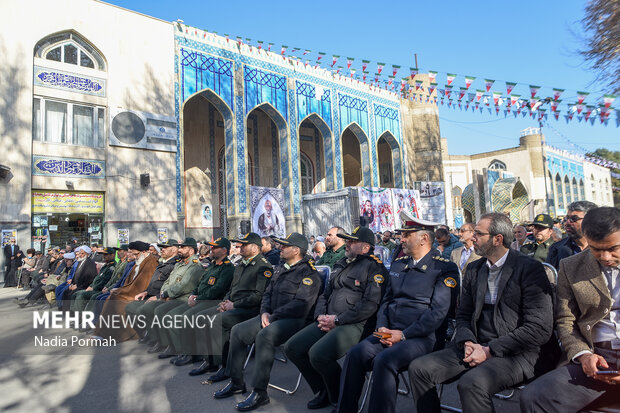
(587, 322)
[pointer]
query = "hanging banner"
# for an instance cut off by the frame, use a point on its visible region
(162, 235)
(432, 201)
(67, 202)
(7, 234)
(376, 205)
(406, 200)
(267, 211)
(123, 236)
(206, 215)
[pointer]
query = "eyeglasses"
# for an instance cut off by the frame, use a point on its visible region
(572, 218)
(480, 234)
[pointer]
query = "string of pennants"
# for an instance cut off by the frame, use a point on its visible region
(458, 91)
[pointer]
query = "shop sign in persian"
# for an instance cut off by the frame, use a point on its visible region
(67, 202)
(67, 167)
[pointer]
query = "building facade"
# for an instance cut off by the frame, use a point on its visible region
(523, 181)
(116, 126)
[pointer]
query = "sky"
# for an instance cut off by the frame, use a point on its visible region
(528, 42)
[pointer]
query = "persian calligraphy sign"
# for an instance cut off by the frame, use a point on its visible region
(67, 202)
(72, 82)
(68, 167)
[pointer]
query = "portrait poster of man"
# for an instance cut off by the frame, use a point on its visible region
(7, 234)
(206, 215)
(162, 235)
(123, 236)
(267, 211)
(376, 205)
(432, 200)
(407, 200)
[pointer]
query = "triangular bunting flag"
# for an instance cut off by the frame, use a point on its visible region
(413, 71)
(509, 87)
(468, 81)
(380, 67)
(489, 83)
(432, 75)
(581, 96)
(534, 90)
(557, 93)
(450, 78)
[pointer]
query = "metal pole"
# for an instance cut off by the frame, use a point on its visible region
(544, 159)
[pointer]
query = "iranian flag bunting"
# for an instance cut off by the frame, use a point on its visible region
(338, 70)
(509, 87)
(395, 69)
(413, 71)
(335, 59)
(557, 93)
(380, 67)
(320, 56)
(477, 105)
(306, 52)
(450, 77)
(588, 111)
(227, 37)
(365, 64)
(448, 90)
(514, 99)
(352, 72)
(364, 74)
(431, 89)
(489, 83)
(581, 96)
(608, 100)
(249, 42)
(432, 75)
(349, 62)
(418, 85)
(579, 108)
(534, 90)
(496, 96)
(470, 97)
(260, 44)
(534, 103)
(270, 44)
(479, 94)
(468, 81)
(554, 105)
(295, 49)
(283, 50)
(462, 92)
(556, 115)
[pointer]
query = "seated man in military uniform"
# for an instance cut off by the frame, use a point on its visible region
(349, 302)
(542, 229)
(415, 305)
(285, 307)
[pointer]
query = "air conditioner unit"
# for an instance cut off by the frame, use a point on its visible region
(134, 129)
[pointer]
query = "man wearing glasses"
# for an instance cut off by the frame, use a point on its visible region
(542, 229)
(575, 242)
(464, 255)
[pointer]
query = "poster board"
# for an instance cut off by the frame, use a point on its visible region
(267, 211)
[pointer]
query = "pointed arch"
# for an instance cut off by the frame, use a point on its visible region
(364, 144)
(323, 148)
(397, 164)
(52, 47)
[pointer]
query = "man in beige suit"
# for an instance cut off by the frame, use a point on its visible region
(462, 256)
(587, 323)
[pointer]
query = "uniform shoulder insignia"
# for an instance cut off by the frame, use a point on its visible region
(437, 257)
(312, 265)
(268, 274)
(378, 278)
(307, 281)
(265, 260)
(405, 257)
(376, 259)
(211, 281)
(226, 261)
(450, 282)
(195, 261)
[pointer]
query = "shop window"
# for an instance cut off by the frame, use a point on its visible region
(68, 123)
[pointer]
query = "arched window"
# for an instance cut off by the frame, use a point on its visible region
(582, 190)
(575, 190)
(70, 48)
(558, 189)
(307, 174)
(567, 190)
(497, 165)
(456, 196)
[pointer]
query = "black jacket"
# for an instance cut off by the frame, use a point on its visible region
(273, 257)
(161, 274)
(523, 313)
(560, 250)
(249, 283)
(354, 290)
(85, 274)
(292, 292)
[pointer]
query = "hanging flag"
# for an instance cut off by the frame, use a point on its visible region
(413, 71)
(239, 41)
(432, 75)
(295, 49)
(338, 70)
(534, 90)
(556, 115)
(534, 103)
(557, 93)
(468, 81)
(608, 100)
(306, 52)
(470, 97)
(479, 94)
(496, 96)
(569, 117)
(581, 96)
(450, 77)
(448, 90)
(249, 42)
(349, 62)
(514, 99)
(335, 58)
(462, 92)
(269, 47)
(477, 105)
(418, 84)
(391, 78)
(431, 89)
(554, 105)
(365, 64)
(579, 108)
(509, 87)
(489, 83)
(380, 67)
(260, 44)
(588, 112)
(364, 74)
(227, 37)
(283, 50)
(395, 69)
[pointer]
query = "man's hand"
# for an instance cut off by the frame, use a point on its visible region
(113, 290)
(590, 364)
(191, 301)
(152, 298)
(105, 289)
(140, 296)
(264, 319)
(397, 335)
(72, 287)
(89, 288)
(326, 322)
(475, 354)
(226, 306)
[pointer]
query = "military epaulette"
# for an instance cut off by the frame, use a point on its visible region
(311, 264)
(376, 259)
(528, 242)
(195, 261)
(226, 262)
(405, 257)
(440, 258)
(265, 260)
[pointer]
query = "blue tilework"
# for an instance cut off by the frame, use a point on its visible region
(274, 155)
(373, 149)
(239, 172)
(200, 72)
(177, 113)
(296, 201)
(261, 87)
(353, 109)
(212, 148)
(307, 102)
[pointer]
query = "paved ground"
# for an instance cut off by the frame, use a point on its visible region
(126, 379)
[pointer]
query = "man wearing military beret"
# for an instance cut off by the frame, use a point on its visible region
(242, 301)
(169, 257)
(213, 285)
(349, 302)
(285, 307)
(415, 305)
(174, 292)
(539, 249)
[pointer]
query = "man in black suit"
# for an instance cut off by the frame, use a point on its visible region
(83, 277)
(10, 251)
(504, 318)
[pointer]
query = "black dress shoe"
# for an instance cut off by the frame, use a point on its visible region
(253, 401)
(202, 369)
(219, 376)
(155, 348)
(167, 353)
(183, 360)
(229, 390)
(145, 338)
(321, 400)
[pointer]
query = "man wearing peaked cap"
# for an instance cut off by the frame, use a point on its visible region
(414, 307)
(347, 306)
(285, 307)
(78, 300)
(249, 238)
(539, 249)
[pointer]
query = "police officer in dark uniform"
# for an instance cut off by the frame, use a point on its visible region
(241, 303)
(349, 302)
(539, 249)
(415, 304)
(285, 307)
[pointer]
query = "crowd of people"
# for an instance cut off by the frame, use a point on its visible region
(474, 305)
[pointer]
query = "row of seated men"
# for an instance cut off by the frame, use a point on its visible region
(504, 318)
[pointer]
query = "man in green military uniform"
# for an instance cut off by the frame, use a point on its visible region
(286, 304)
(90, 297)
(386, 242)
(542, 228)
(80, 298)
(174, 292)
(350, 301)
(213, 285)
(241, 303)
(335, 248)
